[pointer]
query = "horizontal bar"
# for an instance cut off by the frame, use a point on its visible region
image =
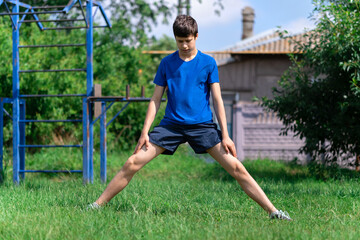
(51, 20)
(50, 171)
(30, 13)
(7, 100)
(10, 100)
(53, 95)
(49, 7)
(67, 28)
(120, 99)
(49, 146)
(54, 70)
(54, 45)
(63, 28)
(57, 6)
(104, 26)
(51, 121)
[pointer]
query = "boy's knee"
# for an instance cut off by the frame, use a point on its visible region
(130, 165)
(239, 171)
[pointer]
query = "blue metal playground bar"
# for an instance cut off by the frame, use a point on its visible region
(18, 111)
(1, 133)
(54, 45)
(54, 70)
(16, 13)
(89, 88)
(49, 146)
(16, 93)
(18, 104)
(53, 95)
(51, 121)
(104, 124)
(51, 20)
(50, 171)
(22, 129)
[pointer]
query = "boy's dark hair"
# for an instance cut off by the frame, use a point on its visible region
(185, 26)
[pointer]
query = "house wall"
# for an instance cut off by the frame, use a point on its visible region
(256, 133)
(253, 75)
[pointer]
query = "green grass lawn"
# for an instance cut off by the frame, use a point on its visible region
(178, 197)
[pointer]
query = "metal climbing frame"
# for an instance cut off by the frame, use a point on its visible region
(18, 100)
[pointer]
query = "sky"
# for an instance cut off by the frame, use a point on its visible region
(218, 32)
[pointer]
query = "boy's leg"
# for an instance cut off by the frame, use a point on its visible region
(131, 166)
(233, 166)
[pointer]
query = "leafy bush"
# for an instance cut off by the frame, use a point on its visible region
(318, 97)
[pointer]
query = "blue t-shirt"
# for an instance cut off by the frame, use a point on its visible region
(188, 88)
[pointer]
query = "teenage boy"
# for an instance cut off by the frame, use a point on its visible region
(189, 76)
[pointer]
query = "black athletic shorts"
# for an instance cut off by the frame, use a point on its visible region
(200, 137)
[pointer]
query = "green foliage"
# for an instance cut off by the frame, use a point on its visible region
(318, 97)
(138, 16)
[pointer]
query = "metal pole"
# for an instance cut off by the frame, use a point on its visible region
(16, 100)
(85, 142)
(89, 80)
(91, 143)
(103, 143)
(22, 139)
(1, 134)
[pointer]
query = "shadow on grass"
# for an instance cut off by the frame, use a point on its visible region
(281, 171)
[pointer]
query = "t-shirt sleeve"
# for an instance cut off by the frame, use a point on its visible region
(214, 73)
(160, 77)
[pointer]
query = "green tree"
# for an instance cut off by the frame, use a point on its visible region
(318, 97)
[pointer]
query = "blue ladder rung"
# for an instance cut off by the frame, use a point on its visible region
(63, 28)
(50, 171)
(103, 26)
(30, 13)
(51, 20)
(49, 7)
(54, 45)
(59, 6)
(50, 146)
(67, 28)
(51, 121)
(54, 70)
(52, 95)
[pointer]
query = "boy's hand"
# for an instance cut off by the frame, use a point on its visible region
(229, 146)
(143, 140)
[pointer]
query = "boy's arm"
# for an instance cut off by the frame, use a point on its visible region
(153, 108)
(227, 143)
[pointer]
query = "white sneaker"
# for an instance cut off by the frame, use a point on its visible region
(278, 214)
(93, 206)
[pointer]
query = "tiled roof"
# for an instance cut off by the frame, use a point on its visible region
(268, 42)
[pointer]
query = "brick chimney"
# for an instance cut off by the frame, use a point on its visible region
(248, 16)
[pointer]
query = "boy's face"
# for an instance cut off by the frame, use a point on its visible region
(186, 45)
